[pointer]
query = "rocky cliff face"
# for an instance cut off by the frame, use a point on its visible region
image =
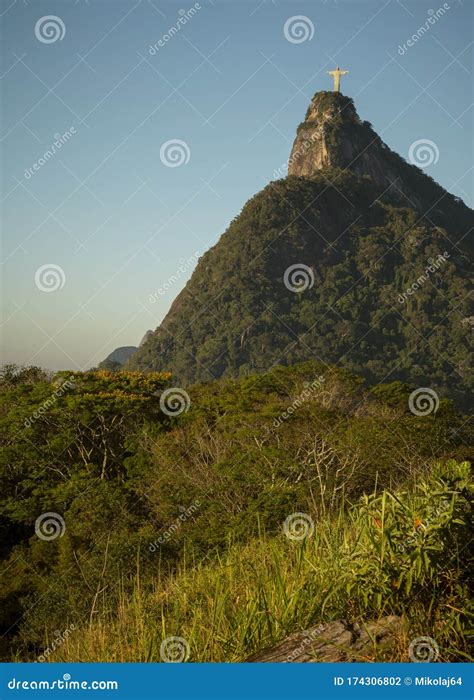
(333, 135)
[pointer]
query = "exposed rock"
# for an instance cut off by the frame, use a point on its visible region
(336, 641)
(333, 135)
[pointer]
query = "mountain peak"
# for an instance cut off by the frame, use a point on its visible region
(362, 225)
(333, 135)
(328, 101)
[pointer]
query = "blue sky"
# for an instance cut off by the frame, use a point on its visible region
(121, 225)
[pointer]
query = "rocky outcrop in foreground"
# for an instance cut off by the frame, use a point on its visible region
(336, 641)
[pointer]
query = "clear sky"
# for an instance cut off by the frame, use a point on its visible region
(121, 226)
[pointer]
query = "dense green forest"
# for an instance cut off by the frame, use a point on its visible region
(133, 510)
(385, 288)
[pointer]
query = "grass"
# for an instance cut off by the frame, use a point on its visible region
(403, 553)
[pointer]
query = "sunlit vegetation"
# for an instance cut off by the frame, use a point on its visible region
(173, 525)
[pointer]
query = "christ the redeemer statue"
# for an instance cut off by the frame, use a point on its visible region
(336, 74)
